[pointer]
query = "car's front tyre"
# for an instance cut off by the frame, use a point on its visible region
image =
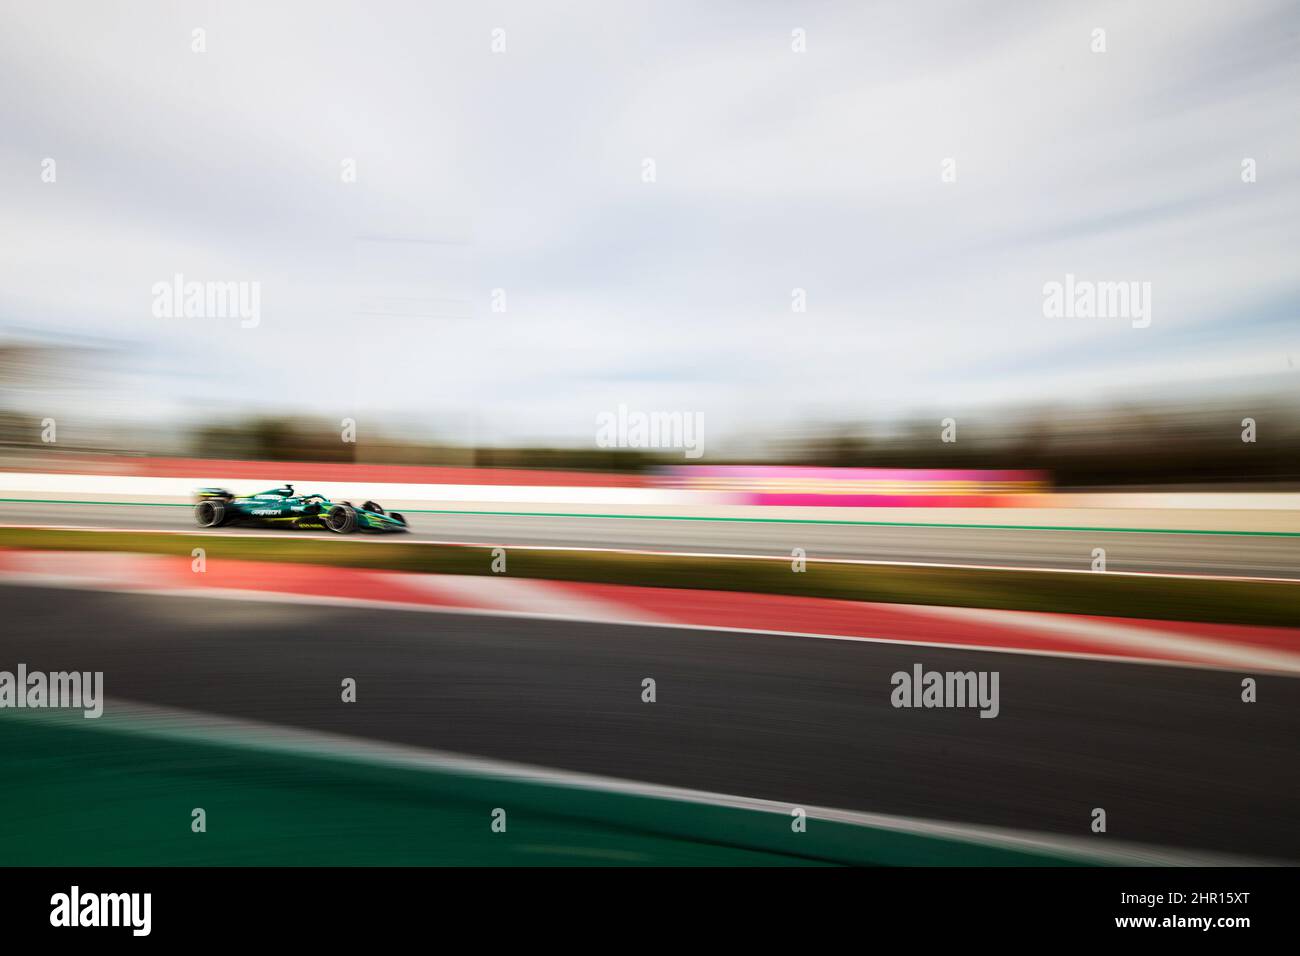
(341, 519)
(210, 514)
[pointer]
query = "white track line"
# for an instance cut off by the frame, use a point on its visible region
(532, 597)
(389, 539)
(1127, 636)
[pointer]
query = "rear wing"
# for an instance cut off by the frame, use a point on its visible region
(212, 493)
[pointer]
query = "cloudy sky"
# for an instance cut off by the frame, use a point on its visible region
(523, 170)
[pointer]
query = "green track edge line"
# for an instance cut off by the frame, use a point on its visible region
(821, 521)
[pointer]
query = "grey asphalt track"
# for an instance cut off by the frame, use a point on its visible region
(1152, 551)
(1172, 754)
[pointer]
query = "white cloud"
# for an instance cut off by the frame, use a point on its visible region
(818, 170)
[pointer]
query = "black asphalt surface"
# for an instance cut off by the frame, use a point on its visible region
(1151, 551)
(1172, 754)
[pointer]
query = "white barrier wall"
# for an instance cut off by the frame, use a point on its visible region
(1242, 511)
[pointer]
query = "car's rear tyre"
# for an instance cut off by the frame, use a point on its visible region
(210, 513)
(341, 519)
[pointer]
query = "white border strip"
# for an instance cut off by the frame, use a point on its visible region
(29, 579)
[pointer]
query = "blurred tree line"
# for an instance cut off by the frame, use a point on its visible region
(1117, 445)
(1148, 445)
(299, 439)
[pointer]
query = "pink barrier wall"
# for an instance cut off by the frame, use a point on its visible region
(859, 487)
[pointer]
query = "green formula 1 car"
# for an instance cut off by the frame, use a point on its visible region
(284, 508)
